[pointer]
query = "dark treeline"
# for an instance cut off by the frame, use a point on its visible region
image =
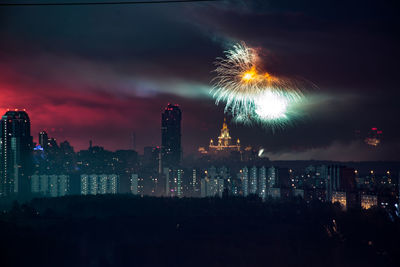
(124, 230)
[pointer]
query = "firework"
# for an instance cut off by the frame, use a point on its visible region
(251, 94)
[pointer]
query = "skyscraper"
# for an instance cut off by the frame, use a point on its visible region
(271, 177)
(244, 177)
(15, 152)
(253, 180)
(262, 182)
(171, 150)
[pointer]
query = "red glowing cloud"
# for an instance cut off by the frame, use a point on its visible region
(75, 112)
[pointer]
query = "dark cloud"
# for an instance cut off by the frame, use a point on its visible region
(103, 72)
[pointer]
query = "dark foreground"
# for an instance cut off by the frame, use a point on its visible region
(129, 231)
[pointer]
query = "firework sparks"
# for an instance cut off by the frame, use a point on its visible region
(250, 94)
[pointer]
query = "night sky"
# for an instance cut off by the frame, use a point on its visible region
(102, 72)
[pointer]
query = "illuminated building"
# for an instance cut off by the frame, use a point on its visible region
(224, 144)
(15, 152)
(234, 187)
(271, 177)
(262, 182)
(53, 185)
(211, 187)
(244, 177)
(212, 172)
(203, 187)
(171, 151)
(173, 180)
(195, 182)
(136, 184)
(106, 183)
(223, 172)
(339, 197)
(368, 201)
(214, 181)
(253, 180)
(50, 185)
(99, 184)
(341, 179)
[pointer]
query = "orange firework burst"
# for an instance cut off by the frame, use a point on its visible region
(251, 94)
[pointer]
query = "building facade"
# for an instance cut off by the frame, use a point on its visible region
(50, 185)
(15, 152)
(95, 184)
(224, 146)
(212, 187)
(171, 149)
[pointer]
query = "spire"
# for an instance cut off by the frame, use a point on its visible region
(224, 125)
(224, 140)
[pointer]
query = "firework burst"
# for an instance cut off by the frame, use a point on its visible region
(251, 94)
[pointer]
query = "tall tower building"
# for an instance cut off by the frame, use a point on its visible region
(171, 150)
(253, 180)
(271, 180)
(262, 182)
(224, 144)
(244, 176)
(15, 152)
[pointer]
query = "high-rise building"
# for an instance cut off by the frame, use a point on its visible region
(16, 152)
(253, 180)
(171, 150)
(244, 177)
(175, 183)
(271, 177)
(99, 184)
(136, 184)
(262, 182)
(50, 185)
(195, 182)
(212, 187)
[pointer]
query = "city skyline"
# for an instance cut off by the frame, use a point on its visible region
(361, 142)
(116, 79)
